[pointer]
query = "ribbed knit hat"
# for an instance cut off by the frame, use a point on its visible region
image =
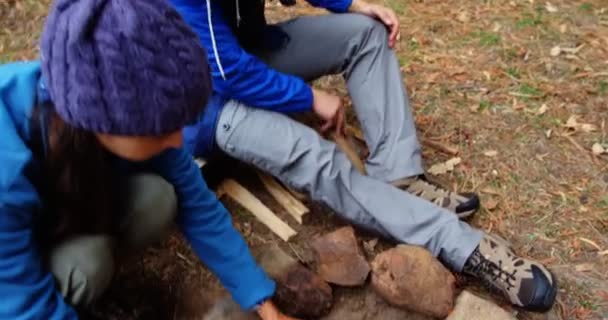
(124, 67)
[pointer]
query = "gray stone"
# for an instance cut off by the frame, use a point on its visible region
(472, 307)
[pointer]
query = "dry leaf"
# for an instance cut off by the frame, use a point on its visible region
(591, 243)
(571, 123)
(490, 153)
(584, 267)
(370, 245)
(542, 109)
(587, 127)
(597, 149)
(550, 8)
(443, 168)
(490, 204)
(555, 51)
(463, 17)
(548, 133)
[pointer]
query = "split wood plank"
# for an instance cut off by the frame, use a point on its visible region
(246, 199)
(293, 206)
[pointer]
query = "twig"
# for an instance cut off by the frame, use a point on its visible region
(443, 148)
(580, 148)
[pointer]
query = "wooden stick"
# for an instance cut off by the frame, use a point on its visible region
(443, 148)
(348, 149)
(246, 199)
(292, 205)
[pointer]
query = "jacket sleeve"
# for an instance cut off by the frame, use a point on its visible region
(28, 290)
(207, 226)
(237, 74)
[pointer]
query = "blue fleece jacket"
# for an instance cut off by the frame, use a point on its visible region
(237, 74)
(27, 288)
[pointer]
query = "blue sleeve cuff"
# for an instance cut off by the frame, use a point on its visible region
(250, 299)
(308, 99)
(342, 6)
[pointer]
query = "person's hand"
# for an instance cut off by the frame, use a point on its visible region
(384, 14)
(267, 311)
(330, 109)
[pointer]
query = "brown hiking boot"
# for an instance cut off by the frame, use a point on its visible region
(463, 204)
(527, 284)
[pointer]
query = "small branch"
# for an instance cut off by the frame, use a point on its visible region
(440, 147)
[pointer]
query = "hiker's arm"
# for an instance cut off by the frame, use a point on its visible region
(28, 291)
(237, 74)
(208, 228)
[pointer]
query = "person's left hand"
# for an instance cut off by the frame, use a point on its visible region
(384, 14)
(267, 311)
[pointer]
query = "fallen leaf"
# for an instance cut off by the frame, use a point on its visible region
(445, 167)
(370, 245)
(555, 51)
(490, 204)
(550, 8)
(591, 242)
(597, 149)
(490, 153)
(453, 162)
(548, 133)
(572, 50)
(571, 123)
(463, 17)
(587, 127)
(584, 267)
(542, 109)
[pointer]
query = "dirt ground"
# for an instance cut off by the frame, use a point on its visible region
(519, 88)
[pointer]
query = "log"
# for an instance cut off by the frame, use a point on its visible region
(293, 206)
(248, 201)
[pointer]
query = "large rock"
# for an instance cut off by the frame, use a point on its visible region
(472, 307)
(409, 277)
(339, 258)
(300, 292)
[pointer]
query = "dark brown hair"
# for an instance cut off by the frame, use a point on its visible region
(80, 189)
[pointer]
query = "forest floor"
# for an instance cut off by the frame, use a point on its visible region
(519, 88)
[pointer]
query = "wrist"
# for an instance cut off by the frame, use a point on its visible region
(357, 6)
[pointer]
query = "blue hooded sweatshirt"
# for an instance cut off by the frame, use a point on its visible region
(27, 287)
(237, 74)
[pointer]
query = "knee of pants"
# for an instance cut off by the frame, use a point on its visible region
(83, 268)
(369, 29)
(151, 210)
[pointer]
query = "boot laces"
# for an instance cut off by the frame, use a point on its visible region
(492, 273)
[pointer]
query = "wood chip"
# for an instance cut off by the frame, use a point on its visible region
(584, 267)
(490, 153)
(246, 199)
(293, 206)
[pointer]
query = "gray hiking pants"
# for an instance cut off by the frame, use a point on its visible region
(294, 153)
(83, 266)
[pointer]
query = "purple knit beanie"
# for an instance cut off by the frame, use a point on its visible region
(124, 67)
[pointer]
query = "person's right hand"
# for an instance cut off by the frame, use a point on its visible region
(329, 108)
(268, 311)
